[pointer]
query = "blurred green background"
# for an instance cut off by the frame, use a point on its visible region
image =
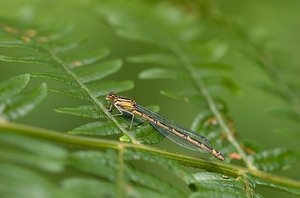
(277, 19)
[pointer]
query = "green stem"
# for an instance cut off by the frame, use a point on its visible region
(94, 143)
(121, 171)
(83, 86)
(246, 186)
(202, 88)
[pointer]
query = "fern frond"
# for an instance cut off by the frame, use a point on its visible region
(185, 53)
(27, 153)
(171, 33)
(34, 167)
(80, 72)
(283, 84)
(184, 60)
(104, 164)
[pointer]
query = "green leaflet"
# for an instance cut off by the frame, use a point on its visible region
(57, 33)
(214, 83)
(108, 86)
(88, 187)
(230, 85)
(33, 60)
(143, 192)
(13, 86)
(284, 113)
(191, 97)
(268, 88)
(65, 47)
(88, 59)
(74, 93)
(21, 44)
(262, 182)
(88, 111)
(52, 165)
(213, 66)
(99, 128)
(164, 73)
(217, 185)
(21, 105)
(23, 183)
(157, 59)
(204, 193)
(210, 51)
(153, 182)
(96, 72)
(170, 165)
(146, 134)
(133, 35)
(97, 89)
(98, 163)
(289, 131)
(275, 159)
(56, 76)
(215, 181)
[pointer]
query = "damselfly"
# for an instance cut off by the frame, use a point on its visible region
(175, 132)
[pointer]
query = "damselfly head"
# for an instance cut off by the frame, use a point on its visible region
(111, 96)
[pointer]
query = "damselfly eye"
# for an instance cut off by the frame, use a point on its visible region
(110, 96)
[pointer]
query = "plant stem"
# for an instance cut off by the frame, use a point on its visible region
(246, 186)
(121, 172)
(98, 143)
(83, 86)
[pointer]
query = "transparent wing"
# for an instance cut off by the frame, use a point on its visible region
(176, 139)
(174, 125)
